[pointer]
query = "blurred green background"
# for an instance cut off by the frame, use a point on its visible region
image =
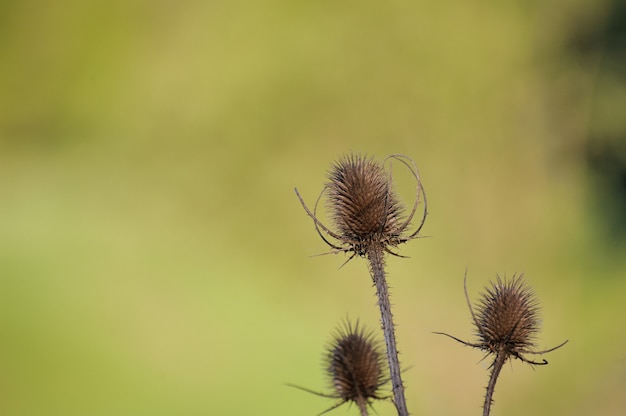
(154, 259)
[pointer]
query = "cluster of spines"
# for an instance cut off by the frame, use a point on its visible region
(354, 362)
(506, 323)
(364, 207)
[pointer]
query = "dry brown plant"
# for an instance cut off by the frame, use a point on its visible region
(370, 221)
(506, 324)
(355, 365)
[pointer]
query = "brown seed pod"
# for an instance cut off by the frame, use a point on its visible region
(507, 324)
(355, 364)
(507, 317)
(364, 207)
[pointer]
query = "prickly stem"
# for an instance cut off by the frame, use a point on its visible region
(377, 269)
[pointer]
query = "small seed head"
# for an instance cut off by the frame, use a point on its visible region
(507, 324)
(366, 211)
(356, 365)
(507, 316)
(362, 203)
(507, 320)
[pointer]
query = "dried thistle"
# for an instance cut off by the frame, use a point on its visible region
(369, 220)
(355, 365)
(507, 324)
(364, 207)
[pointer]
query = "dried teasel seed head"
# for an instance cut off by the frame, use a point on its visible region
(363, 205)
(507, 316)
(507, 324)
(356, 365)
(506, 320)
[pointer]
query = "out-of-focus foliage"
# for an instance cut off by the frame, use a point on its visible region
(154, 259)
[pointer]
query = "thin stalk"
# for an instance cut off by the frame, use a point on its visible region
(377, 269)
(498, 363)
(362, 405)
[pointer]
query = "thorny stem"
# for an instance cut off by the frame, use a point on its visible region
(377, 269)
(499, 361)
(362, 405)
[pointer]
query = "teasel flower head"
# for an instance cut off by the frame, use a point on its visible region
(506, 323)
(507, 317)
(355, 365)
(364, 206)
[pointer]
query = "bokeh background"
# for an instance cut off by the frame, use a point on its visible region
(154, 259)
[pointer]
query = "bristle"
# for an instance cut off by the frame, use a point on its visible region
(363, 205)
(356, 365)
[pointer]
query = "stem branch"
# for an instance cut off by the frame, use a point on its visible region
(377, 269)
(362, 405)
(495, 372)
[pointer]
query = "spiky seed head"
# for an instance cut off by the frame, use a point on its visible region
(507, 316)
(506, 323)
(356, 365)
(362, 204)
(506, 320)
